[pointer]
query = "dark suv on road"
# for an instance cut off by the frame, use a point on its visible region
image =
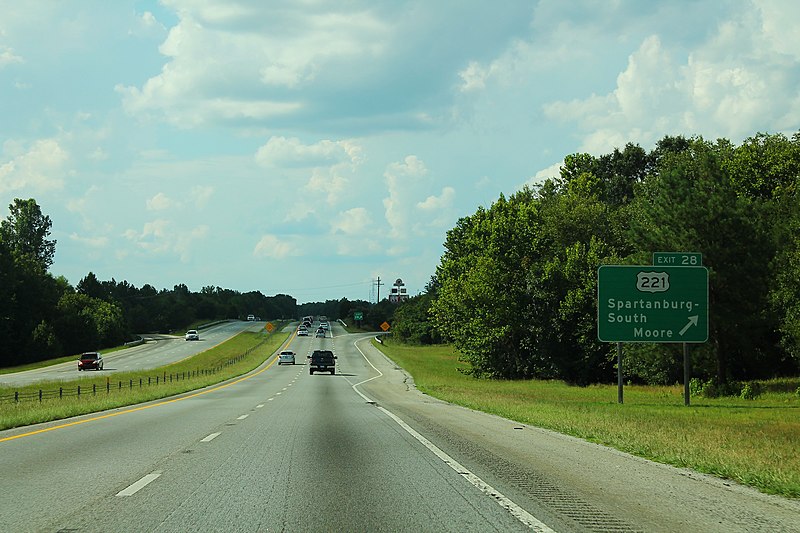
(322, 361)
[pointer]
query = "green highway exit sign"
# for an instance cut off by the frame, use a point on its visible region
(652, 303)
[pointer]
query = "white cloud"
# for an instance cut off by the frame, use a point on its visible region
(201, 195)
(737, 82)
(214, 71)
(39, 169)
(437, 203)
(159, 202)
(329, 183)
(401, 181)
(271, 246)
(91, 242)
(8, 57)
(283, 152)
(160, 236)
(355, 233)
(356, 221)
(473, 77)
(553, 171)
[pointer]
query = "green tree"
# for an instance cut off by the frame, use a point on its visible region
(690, 204)
(26, 230)
(483, 305)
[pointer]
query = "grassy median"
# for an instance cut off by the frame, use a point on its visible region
(237, 356)
(754, 442)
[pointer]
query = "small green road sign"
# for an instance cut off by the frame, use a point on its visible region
(683, 259)
(358, 315)
(652, 303)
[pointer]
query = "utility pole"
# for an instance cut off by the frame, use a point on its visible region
(378, 283)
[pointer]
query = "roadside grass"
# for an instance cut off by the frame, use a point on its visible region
(237, 356)
(753, 442)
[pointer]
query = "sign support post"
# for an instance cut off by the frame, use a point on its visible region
(619, 372)
(687, 371)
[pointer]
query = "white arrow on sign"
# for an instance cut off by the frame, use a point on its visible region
(692, 322)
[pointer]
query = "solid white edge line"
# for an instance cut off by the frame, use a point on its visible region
(139, 485)
(211, 437)
(516, 511)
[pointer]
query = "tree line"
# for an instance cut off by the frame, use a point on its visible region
(515, 290)
(44, 317)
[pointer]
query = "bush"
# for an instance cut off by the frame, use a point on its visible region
(750, 390)
(714, 389)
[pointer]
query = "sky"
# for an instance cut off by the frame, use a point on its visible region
(309, 147)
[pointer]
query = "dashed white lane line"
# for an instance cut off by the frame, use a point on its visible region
(211, 437)
(139, 485)
(278, 393)
(259, 406)
(270, 399)
(242, 417)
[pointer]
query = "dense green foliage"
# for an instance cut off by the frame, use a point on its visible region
(516, 286)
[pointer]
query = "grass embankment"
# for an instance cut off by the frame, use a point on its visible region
(237, 356)
(754, 442)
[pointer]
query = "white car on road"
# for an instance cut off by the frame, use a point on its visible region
(286, 358)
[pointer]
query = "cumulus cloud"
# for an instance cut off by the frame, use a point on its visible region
(201, 195)
(8, 57)
(436, 203)
(91, 242)
(355, 221)
(160, 236)
(318, 64)
(473, 77)
(273, 247)
(159, 202)
(401, 180)
(283, 152)
(354, 233)
(737, 82)
(147, 25)
(39, 168)
(553, 171)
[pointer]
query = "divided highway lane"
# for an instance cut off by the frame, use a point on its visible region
(278, 450)
(358, 451)
(158, 350)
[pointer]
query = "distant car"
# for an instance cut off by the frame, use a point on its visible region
(192, 335)
(302, 332)
(90, 360)
(320, 333)
(286, 358)
(324, 326)
(251, 318)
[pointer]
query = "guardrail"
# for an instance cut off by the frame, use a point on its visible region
(150, 381)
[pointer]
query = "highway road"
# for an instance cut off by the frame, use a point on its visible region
(362, 450)
(157, 350)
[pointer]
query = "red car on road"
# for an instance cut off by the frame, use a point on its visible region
(90, 360)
